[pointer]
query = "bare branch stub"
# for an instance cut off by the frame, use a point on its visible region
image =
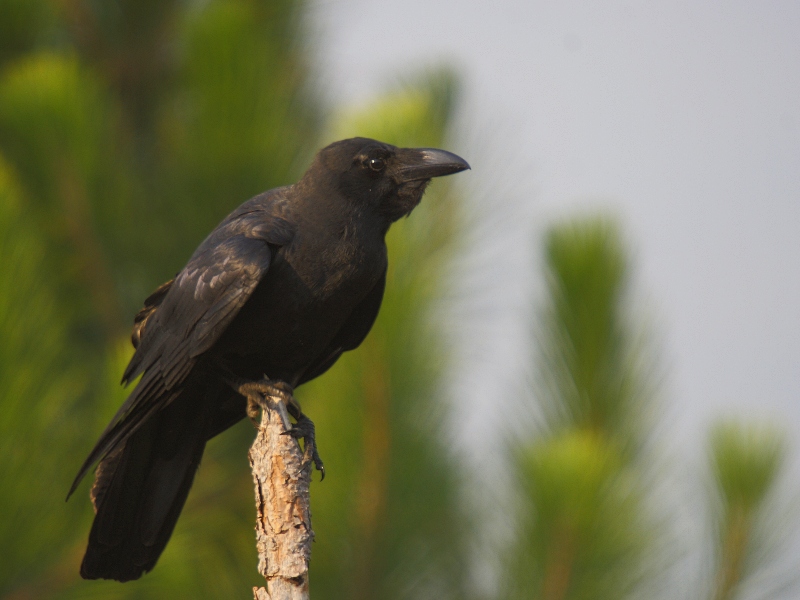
(283, 523)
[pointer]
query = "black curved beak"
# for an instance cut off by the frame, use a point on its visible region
(424, 163)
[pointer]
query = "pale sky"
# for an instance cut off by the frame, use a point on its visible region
(681, 117)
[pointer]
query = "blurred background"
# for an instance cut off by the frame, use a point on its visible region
(584, 380)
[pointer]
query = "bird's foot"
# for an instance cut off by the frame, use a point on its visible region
(257, 392)
(304, 428)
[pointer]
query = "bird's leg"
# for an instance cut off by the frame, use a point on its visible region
(256, 393)
(304, 428)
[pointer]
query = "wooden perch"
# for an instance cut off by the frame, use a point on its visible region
(283, 524)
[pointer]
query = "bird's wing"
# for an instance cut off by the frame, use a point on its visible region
(196, 309)
(352, 333)
(208, 293)
(151, 304)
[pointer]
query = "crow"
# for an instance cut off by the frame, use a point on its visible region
(275, 294)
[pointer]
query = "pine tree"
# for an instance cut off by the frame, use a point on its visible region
(127, 131)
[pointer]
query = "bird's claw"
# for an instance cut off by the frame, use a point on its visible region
(304, 428)
(257, 392)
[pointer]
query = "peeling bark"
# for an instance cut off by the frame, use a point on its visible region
(283, 523)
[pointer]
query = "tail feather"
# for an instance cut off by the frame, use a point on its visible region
(141, 487)
(144, 401)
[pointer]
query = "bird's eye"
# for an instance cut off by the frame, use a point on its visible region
(376, 164)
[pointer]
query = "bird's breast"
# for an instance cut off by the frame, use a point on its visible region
(337, 265)
(309, 292)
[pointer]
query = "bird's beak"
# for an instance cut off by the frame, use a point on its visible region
(424, 163)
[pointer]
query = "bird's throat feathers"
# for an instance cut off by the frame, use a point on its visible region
(409, 195)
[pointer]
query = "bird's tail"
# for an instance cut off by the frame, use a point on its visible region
(140, 488)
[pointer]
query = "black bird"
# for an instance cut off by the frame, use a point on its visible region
(285, 284)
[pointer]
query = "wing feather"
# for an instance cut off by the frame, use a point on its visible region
(192, 313)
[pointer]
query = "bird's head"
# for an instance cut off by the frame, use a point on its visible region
(391, 180)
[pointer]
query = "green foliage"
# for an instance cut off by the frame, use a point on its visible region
(237, 123)
(586, 526)
(54, 109)
(39, 390)
(591, 376)
(745, 460)
(56, 122)
(583, 527)
(22, 25)
(570, 477)
(584, 530)
(129, 129)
